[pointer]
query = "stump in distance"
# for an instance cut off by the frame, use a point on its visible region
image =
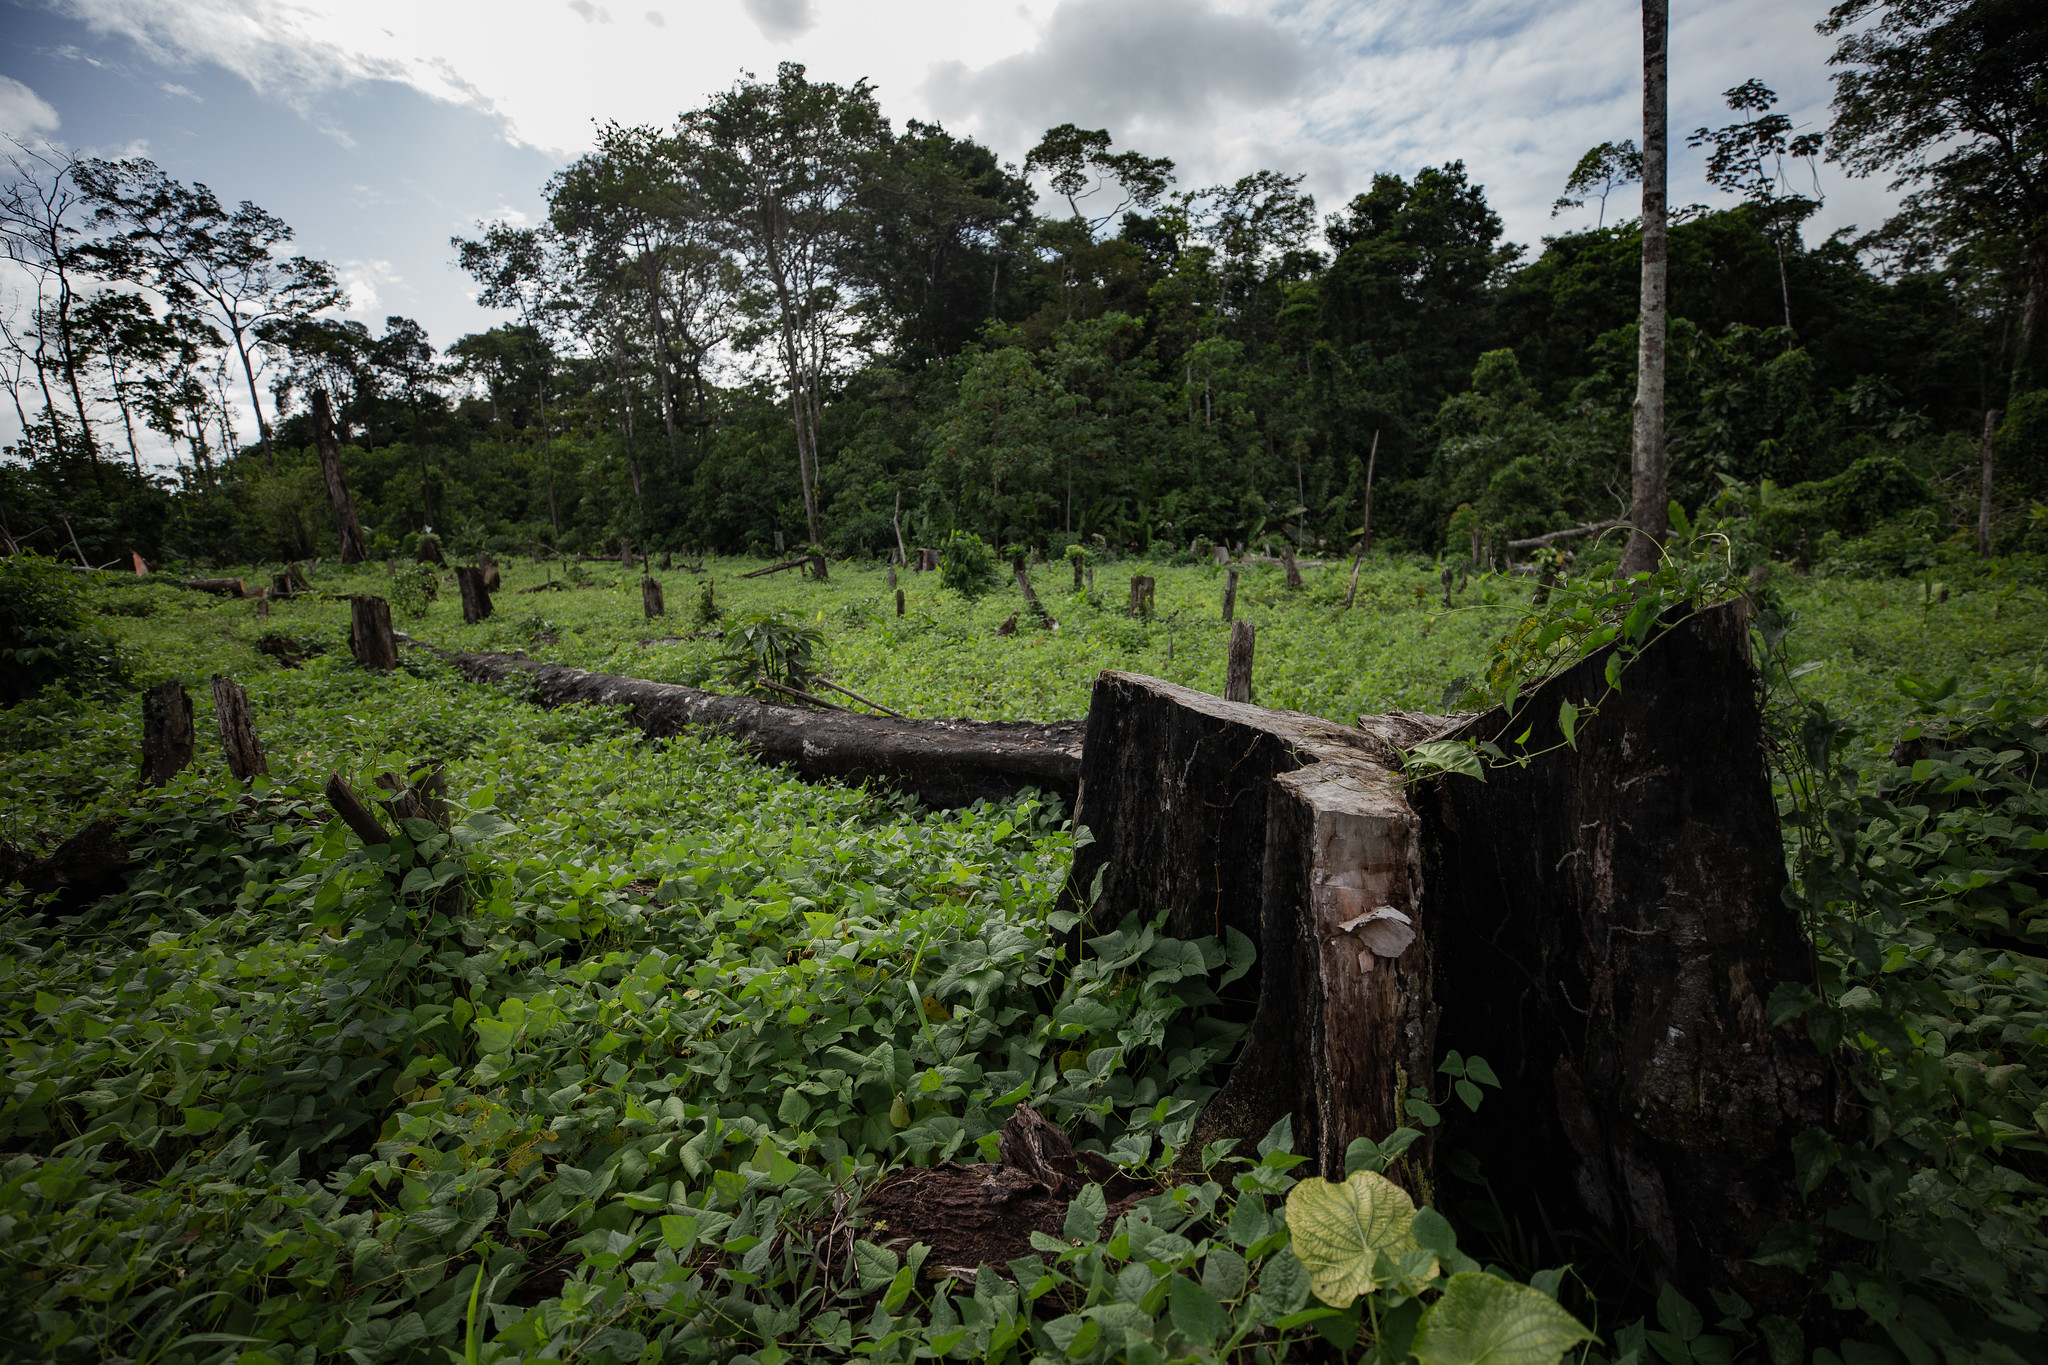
(1142, 588)
(1237, 684)
(650, 598)
(167, 738)
(369, 633)
(476, 594)
(237, 729)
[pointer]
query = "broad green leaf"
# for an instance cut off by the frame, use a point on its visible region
(876, 1265)
(1338, 1229)
(1196, 1313)
(1481, 1320)
(1085, 1214)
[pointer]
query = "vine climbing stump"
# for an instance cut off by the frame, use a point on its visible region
(476, 594)
(167, 738)
(237, 729)
(369, 633)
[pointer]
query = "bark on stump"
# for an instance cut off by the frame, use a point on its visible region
(1602, 925)
(1614, 912)
(1141, 596)
(650, 598)
(899, 601)
(1237, 677)
(492, 581)
(237, 729)
(369, 633)
(476, 594)
(1293, 569)
(1230, 600)
(167, 738)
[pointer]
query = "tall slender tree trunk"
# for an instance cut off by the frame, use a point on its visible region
(256, 403)
(2026, 360)
(70, 359)
(127, 418)
(1648, 498)
(1984, 486)
(547, 448)
(325, 437)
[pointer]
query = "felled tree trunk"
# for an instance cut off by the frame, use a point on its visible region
(237, 729)
(476, 594)
(167, 738)
(945, 763)
(1602, 925)
(369, 633)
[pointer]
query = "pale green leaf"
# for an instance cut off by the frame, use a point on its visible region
(1481, 1320)
(1338, 1229)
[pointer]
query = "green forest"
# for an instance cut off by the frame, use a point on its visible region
(387, 978)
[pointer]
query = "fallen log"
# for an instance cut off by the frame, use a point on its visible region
(1602, 924)
(944, 763)
(1590, 528)
(220, 587)
(796, 563)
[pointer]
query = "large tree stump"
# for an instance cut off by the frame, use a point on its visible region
(476, 594)
(650, 598)
(167, 738)
(369, 633)
(237, 729)
(1614, 912)
(1603, 925)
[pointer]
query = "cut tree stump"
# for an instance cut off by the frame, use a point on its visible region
(237, 729)
(944, 763)
(1603, 925)
(899, 601)
(1230, 600)
(369, 633)
(167, 738)
(492, 581)
(476, 594)
(1142, 588)
(1237, 676)
(650, 598)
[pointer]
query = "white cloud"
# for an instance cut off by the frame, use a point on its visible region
(654, 18)
(24, 113)
(366, 283)
(781, 20)
(592, 14)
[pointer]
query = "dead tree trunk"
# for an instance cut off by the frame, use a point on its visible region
(650, 598)
(1237, 685)
(1031, 597)
(1230, 599)
(237, 729)
(167, 739)
(347, 527)
(369, 633)
(1602, 925)
(1984, 485)
(1141, 596)
(476, 594)
(625, 552)
(945, 763)
(892, 577)
(1293, 569)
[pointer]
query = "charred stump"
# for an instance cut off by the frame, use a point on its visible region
(476, 594)
(369, 633)
(167, 737)
(237, 729)
(1609, 924)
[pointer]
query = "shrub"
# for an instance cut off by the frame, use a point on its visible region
(967, 565)
(44, 633)
(771, 645)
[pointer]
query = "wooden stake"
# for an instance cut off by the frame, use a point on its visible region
(369, 633)
(237, 729)
(1237, 685)
(167, 741)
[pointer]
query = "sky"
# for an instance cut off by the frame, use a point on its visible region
(379, 128)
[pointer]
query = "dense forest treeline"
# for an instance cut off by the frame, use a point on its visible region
(782, 319)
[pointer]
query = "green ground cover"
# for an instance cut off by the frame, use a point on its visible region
(594, 1071)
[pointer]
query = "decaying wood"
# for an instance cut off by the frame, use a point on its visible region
(625, 552)
(650, 598)
(489, 568)
(220, 587)
(90, 864)
(1291, 831)
(892, 578)
(899, 601)
(1602, 924)
(1615, 913)
(354, 813)
(476, 594)
(1031, 598)
(1590, 528)
(1009, 625)
(796, 563)
(237, 729)
(945, 763)
(167, 738)
(1237, 685)
(1293, 569)
(420, 795)
(369, 633)
(819, 570)
(1142, 588)
(1230, 597)
(288, 582)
